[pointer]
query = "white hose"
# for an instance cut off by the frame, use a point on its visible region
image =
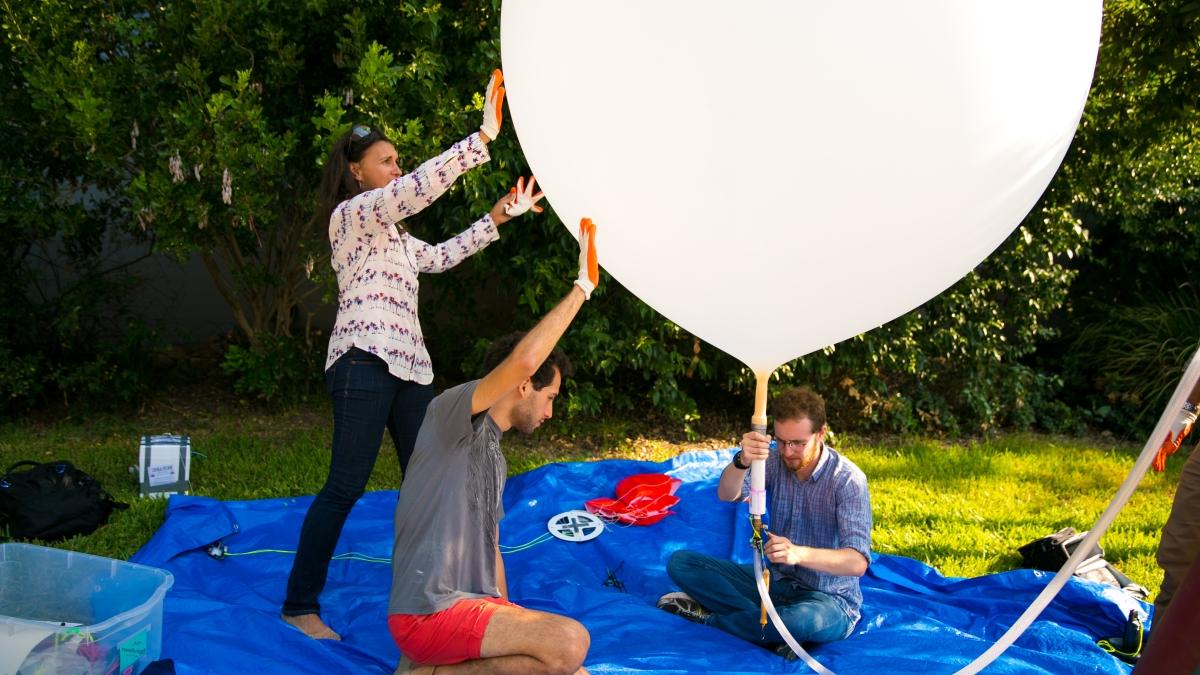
(1189, 379)
(758, 487)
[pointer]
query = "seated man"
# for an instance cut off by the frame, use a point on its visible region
(449, 605)
(819, 545)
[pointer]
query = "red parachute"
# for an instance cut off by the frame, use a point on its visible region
(642, 499)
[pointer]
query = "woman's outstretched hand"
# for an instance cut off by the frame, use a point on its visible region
(493, 107)
(522, 198)
(518, 200)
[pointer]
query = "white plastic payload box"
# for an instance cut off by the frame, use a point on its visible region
(77, 614)
(164, 465)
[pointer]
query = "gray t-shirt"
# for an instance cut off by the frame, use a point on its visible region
(449, 509)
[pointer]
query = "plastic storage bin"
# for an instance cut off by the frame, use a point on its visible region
(77, 614)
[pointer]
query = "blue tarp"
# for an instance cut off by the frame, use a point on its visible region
(222, 616)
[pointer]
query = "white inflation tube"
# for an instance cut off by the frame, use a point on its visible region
(1186, 383)
(758, 488)
(758, 468)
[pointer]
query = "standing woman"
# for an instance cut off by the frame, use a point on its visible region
(377, 369)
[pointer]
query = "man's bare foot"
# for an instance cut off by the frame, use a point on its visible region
(312, 626)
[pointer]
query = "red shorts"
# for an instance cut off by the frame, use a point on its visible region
(452, 635)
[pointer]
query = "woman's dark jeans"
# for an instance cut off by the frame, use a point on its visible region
(366, 398)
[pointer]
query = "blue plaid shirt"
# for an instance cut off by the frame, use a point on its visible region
(832, 509)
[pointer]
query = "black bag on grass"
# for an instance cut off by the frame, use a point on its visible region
(52, 501)
(1051, 552)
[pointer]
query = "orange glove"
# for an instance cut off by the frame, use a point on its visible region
(493, 106)
(589, 269)
(1179, 430)
(522, 198)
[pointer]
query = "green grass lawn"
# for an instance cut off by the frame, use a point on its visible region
(963, 507)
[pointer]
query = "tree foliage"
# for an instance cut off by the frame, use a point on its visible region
(66, 330)
(1134, 180)
(200, 128)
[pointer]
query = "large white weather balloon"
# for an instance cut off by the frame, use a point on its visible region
(778, 175)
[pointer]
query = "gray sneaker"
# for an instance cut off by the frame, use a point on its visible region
(682, 604)
(786, 652)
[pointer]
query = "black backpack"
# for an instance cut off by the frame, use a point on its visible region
(52, 501)
(1051, 552)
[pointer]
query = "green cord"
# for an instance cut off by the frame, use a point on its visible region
(261, 550)
(362, 557)
(1111, 649)
(540, 539)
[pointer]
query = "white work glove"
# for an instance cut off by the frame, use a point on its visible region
(493, 106)
(1179, 430)
(589, 269)
(522, 198)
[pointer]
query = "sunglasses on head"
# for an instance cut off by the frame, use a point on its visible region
(358, 134)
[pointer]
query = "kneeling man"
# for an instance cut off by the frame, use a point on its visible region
(449, 607)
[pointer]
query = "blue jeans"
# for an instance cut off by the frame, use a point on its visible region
(728, 591)
(366, 398)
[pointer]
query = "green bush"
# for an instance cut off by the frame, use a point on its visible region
(71, 338)
(20, 380)
(1134, 181)
(118, 373)
(1138, 355)
(102, 374)
(276, 369)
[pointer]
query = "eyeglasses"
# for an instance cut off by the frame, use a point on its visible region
(786, 444)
